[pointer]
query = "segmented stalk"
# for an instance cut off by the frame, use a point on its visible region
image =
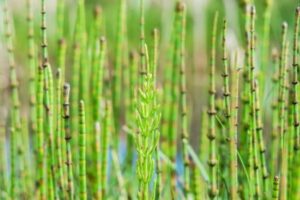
(275, 190)
(295, 82)
(226, 92)
(82, 153)
(32, 66)
(68, 137)
(183, 105)
(99, 79)
(213, 188)
(275, 119)
(233, 130)
(253, 122)
(59, 145)
(13, 157)
(49, 130)
(282, 113)
(262, 148)
(105, 134)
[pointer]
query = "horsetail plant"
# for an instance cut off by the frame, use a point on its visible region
(105, 134)
(212, 160)
(282, 113)
(183, 104)
(295, 87)
(117, 75)
(59, 144)
(31, 65)
(147, 138)
(275, 190)
(106, 143)
(233, 130)
(68, 137)
(49, 130)
(82, 152)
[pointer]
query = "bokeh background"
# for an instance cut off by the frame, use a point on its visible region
(159, 14)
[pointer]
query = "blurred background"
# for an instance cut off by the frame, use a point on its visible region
(159, 14)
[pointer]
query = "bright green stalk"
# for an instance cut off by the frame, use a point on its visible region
(48, 87)
(213, 188)
(262, 148)
(68, 137)
(24, 151)
(40, 134)
(275, 119)
(119, 50)
(254, 125)
(173, 100)
(45, 64)
(59, 145)
(183, 104)
(246, 109)
(49, 130)
(295, 84)
(233, 130)
(82, 153)
(94, 45)
(31, 64)
(98, 92)
(226, 92)
(294, 182)
(13, 156)
(275, 189)
(79, 80)
(282, 114)
(75, 87)
(15, 102)
(203, 148)
(105, 134)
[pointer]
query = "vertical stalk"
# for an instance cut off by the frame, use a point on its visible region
(59, 145)
(68, 137)
(282, 113)
(295, 82)
(275, 189)
(49, 130)
(31, 64)
(213, 189)
(275, 119)
(82, 153)
(183, 104)
(119, 50)
(104, 148)
(233, 130)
